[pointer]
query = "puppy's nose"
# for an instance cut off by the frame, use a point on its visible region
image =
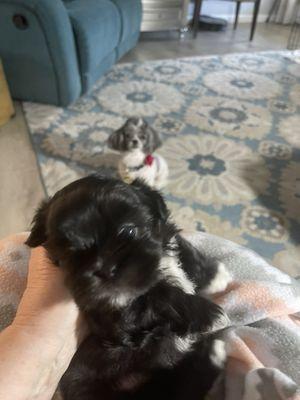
(105, 271)
(135, 142)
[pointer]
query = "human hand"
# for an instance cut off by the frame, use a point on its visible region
(47, 302)
(40, 343)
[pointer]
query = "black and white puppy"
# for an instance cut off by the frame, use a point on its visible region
(141, 287)
(137, 141)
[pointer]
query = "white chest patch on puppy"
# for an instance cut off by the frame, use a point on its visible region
(119, 300)
(170, 268)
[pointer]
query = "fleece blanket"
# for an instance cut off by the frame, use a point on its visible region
(263, 304)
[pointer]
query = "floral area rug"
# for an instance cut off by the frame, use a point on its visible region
(231, 133)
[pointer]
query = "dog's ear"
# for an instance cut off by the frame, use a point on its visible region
(116, 141)
(153, 199)
(38, 234)
(153, 139)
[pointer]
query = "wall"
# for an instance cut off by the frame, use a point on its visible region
(226, 10)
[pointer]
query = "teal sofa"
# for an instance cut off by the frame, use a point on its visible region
(53, 51)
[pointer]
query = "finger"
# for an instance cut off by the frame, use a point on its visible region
(40, 266)
(38, 255)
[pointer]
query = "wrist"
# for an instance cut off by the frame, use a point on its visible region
(40, 362)
(39, 315)
(50, 330)
(31, 356)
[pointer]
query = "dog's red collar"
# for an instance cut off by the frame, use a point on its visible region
(149, 160)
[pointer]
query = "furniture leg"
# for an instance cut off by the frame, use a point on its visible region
(197, 9)
(273, 10)
(237, 11)
(254, 19)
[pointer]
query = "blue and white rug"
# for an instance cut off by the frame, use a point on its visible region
(231, 131)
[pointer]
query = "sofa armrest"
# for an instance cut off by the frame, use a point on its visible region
(47, 46)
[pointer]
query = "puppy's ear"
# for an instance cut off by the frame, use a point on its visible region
(153, 139)
(116, 141)
(153, 199)
(38, 234)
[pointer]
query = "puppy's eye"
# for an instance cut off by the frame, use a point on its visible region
(128, 232)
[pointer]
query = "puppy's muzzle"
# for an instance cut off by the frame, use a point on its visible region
(135, 143)
(104, 271)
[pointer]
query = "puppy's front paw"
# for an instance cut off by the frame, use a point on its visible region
(220, 281)
(218, 353)
(213, 317)
(221, 321)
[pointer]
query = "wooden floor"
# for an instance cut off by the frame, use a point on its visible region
(162, 45)
(20, 185)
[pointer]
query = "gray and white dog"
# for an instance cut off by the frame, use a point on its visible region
(137, 141)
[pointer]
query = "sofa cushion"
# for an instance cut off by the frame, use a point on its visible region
(131, 14)
(90, 77)
(40, 61)
(97, 29)
(127, 44)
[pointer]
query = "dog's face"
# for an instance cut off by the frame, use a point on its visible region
(135, 134)
(107, 235)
